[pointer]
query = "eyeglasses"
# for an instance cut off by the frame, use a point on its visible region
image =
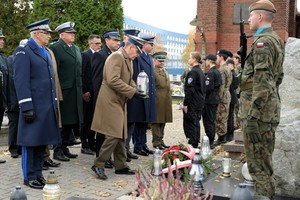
(45, 32)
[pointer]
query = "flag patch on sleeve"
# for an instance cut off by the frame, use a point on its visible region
(260, 44)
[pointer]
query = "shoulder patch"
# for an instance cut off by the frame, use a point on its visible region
(20, 52)
(260, 44)
(190, 80)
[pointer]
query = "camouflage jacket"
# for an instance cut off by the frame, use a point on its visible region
(261, 77)
(226, 81)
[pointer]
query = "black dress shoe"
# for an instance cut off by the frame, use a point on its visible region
(34, 184)
(2, 161)
(125, 170)
(164, 145)
(99, 172)
(108, 165)
(131, 156)
(87, 151)
(160, 146)
(74, 142)
(45, 167)
(69, 154)
(14, 154)
(140, 152)
(50, 163)
(60, 157)
(128, 159)
(42, 180)
(148, 150)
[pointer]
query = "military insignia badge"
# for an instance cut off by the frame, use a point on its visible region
(190, 80)
(260, 44)
(207, 82)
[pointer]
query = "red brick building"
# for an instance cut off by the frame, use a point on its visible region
(220, 22)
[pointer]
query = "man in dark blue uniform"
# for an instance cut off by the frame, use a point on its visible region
(35, 87)
(141, 112)
(212, 99)
(3, 77)
(112, 43)
(87, 135)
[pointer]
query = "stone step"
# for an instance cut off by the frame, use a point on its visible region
(234, 147)
(238, 136)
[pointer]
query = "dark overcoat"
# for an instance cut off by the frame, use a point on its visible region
(35, 88)
(110, 116)
(143, 110)
(87, 83)
(69, 61)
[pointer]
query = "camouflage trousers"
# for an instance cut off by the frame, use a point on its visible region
(221, 118)
(259, 158)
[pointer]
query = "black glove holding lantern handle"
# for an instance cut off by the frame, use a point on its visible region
(29, 116)
(139, 94)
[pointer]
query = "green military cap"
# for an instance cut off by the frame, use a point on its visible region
(160, 55)
(1, 33)
(263, 5)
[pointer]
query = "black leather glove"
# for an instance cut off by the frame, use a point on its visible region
(140, 95)
(29, 116)
(252, 130)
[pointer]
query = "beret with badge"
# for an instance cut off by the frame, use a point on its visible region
(211, 57)
(67, 27)
(263, 5)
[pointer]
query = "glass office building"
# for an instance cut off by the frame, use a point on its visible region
(174, 44)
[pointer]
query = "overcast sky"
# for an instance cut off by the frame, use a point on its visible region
(171, 15)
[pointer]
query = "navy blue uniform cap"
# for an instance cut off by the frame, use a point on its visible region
(134, 32)
(148, 39)
(39, 25)
(113, 34)
(138, 42)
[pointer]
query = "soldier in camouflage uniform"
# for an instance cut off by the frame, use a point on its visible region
(238, 71)
(223, 108)
(260, 101)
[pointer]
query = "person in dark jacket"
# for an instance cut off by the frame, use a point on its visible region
(212, 99)
(112, 43)
(87, 135)
(68, 60)
(35, 87)
(194, 99)
(3, 81)
(233, 101)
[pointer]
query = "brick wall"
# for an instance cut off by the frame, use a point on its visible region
(221, 33)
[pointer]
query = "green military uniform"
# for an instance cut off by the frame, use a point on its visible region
(260, 107)
(223, 107)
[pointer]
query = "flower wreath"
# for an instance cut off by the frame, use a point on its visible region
(180, 156)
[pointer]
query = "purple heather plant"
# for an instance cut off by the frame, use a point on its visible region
(164, 188)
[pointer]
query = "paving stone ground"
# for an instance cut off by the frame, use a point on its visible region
(76, 178)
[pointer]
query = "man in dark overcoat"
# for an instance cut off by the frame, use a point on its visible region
(35, 88)
(86, 134)
(112, 43)
(142, 111)
(68, 59)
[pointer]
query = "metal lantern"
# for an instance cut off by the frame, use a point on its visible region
(143, 83)
(248, 179)
(157, 166)
(226, 163)
(205, 147)
(51, 190)
(196, 172)
(18, 194)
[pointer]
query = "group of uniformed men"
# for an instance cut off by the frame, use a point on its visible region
(47, 79)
